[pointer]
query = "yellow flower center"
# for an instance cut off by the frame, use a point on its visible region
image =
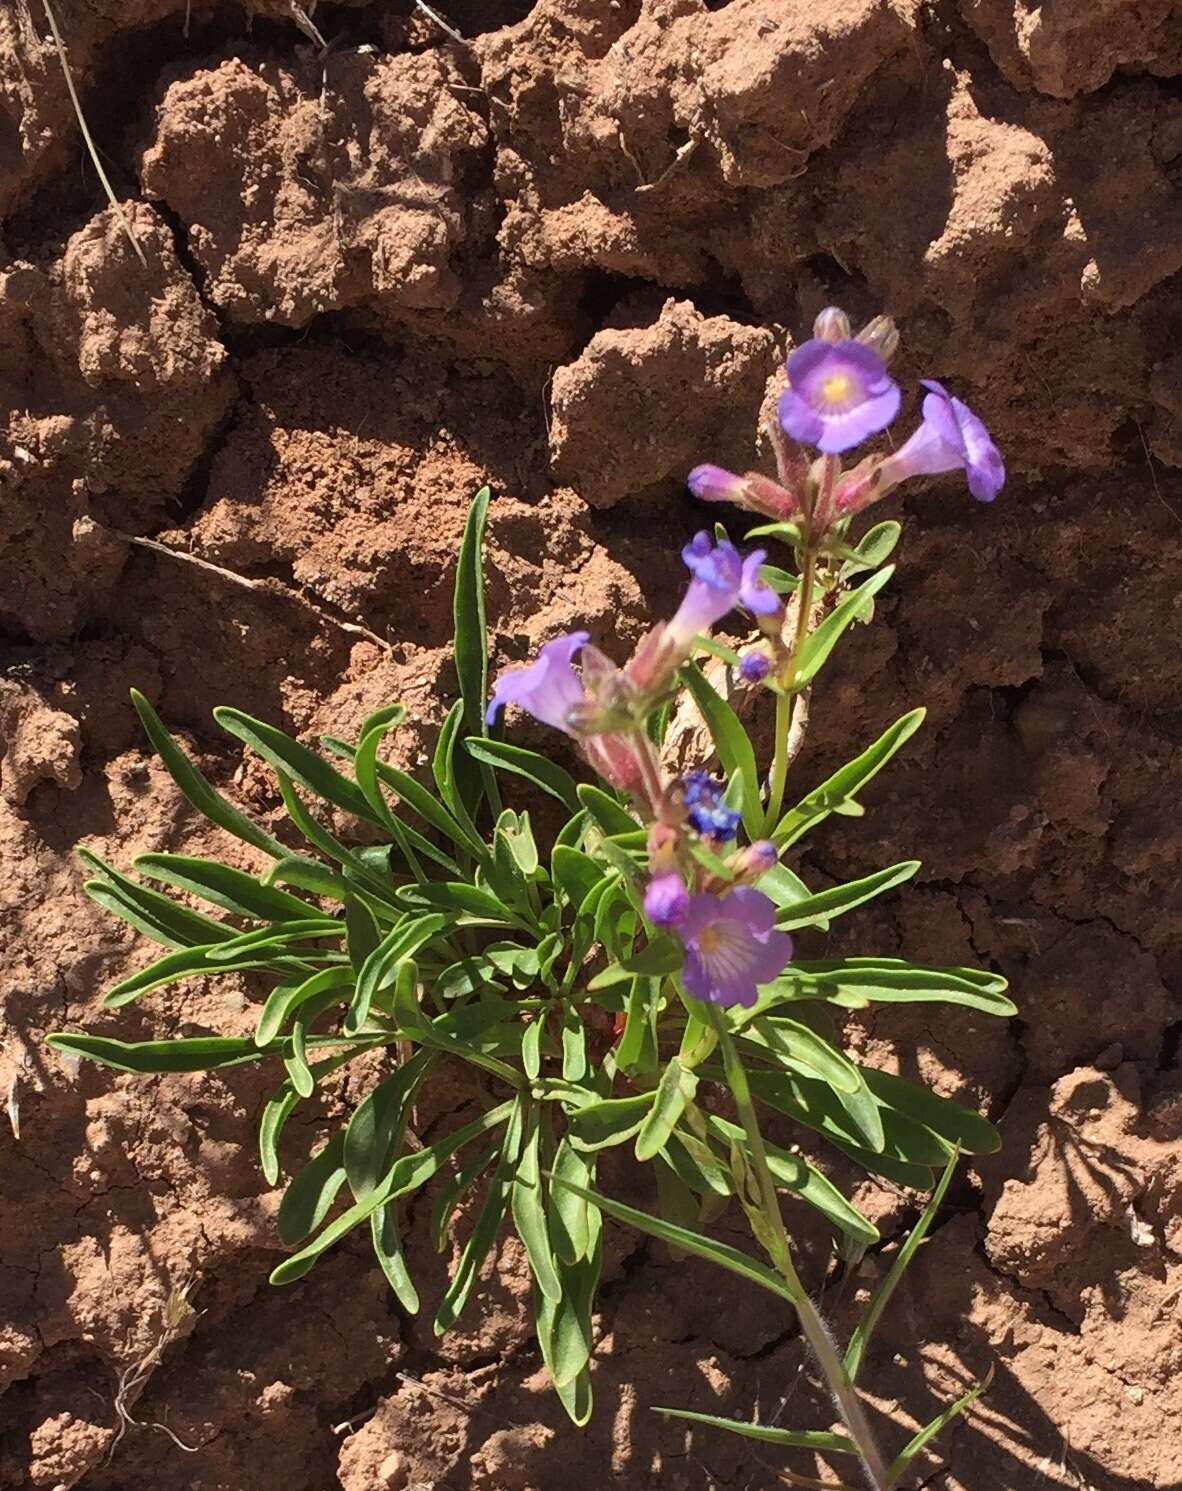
(708, 940)
(836, 389)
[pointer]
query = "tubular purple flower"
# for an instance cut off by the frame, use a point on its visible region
(951, 438)
(548, 688)
(732, 946)
(666, 900)
(757, 596)
(717, 574)
(839, 394)
(716, 484)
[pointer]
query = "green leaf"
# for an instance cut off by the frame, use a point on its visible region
(191, 1054)
(839, 899)
(376, 1128)
(794, 1039)
(603, 807)
(841, 789)
(387, 1246)
(307, 1200)
(574, 1225)
(664, 954)
(158, 923)
(286, 998)
(735, 750)
(419, 800)
(450, 1194)
(308, 874)
(471, 636)
(531, 1046)
(637, 1050)
(854, 982)
(788, 533)
(953, 1125)
(675, 1089)
(575, 874)
(564, 1323)
(688, 1241)
(477, 907)
(221, 885)
(874, 548)
(197, 789)
(407, 1174)
(860, 1339)
(543, 773)
(574, 1043)
(381, 967)
(529, 1211)
(188, 962)
(273, 939)
(852, 607)
(296, 761)
(612, 1121)
(483, 1235)
(793, 1439)
(362, 933)
(929, 1431)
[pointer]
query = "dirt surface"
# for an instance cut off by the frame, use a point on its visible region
(563, 258)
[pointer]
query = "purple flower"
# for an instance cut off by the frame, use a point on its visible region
(716, 484)
(755, 860)
(731, 946)
(714, 590)
(666, 900)
(706, 810)
(951, 438)
(839, 394)
(757, 596)
(548, 688)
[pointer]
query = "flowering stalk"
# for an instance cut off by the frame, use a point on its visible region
(779, 1246)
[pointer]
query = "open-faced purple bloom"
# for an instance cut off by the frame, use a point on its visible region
(666, 900)
(548, 688)
(839, 394)
(732, 946)
(717, 574)
(705, 808)
(951, 438)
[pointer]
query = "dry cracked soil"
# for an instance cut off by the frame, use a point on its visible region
(563, 256)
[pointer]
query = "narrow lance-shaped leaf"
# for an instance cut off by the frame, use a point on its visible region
(735, 750)
(197, 789)
(539, 770)
(860, 1339)
(296, 761)
(681, 1237)
(789, 1439)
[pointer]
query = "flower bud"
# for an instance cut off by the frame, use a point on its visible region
(832, 325)
(754, 666)
(753, 861)
(716, 484)
(882, 335)
(666, 901)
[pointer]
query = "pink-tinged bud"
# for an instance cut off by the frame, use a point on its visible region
(666, 901)
(715, 484)
(832, 325)
(654, 662)
(616, 759)
(882, 335)
(858, 488)
(663, 841)
(769, 498)
(753, 861)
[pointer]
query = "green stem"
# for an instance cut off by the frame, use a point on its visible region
(816, 1332)
(785, 702)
